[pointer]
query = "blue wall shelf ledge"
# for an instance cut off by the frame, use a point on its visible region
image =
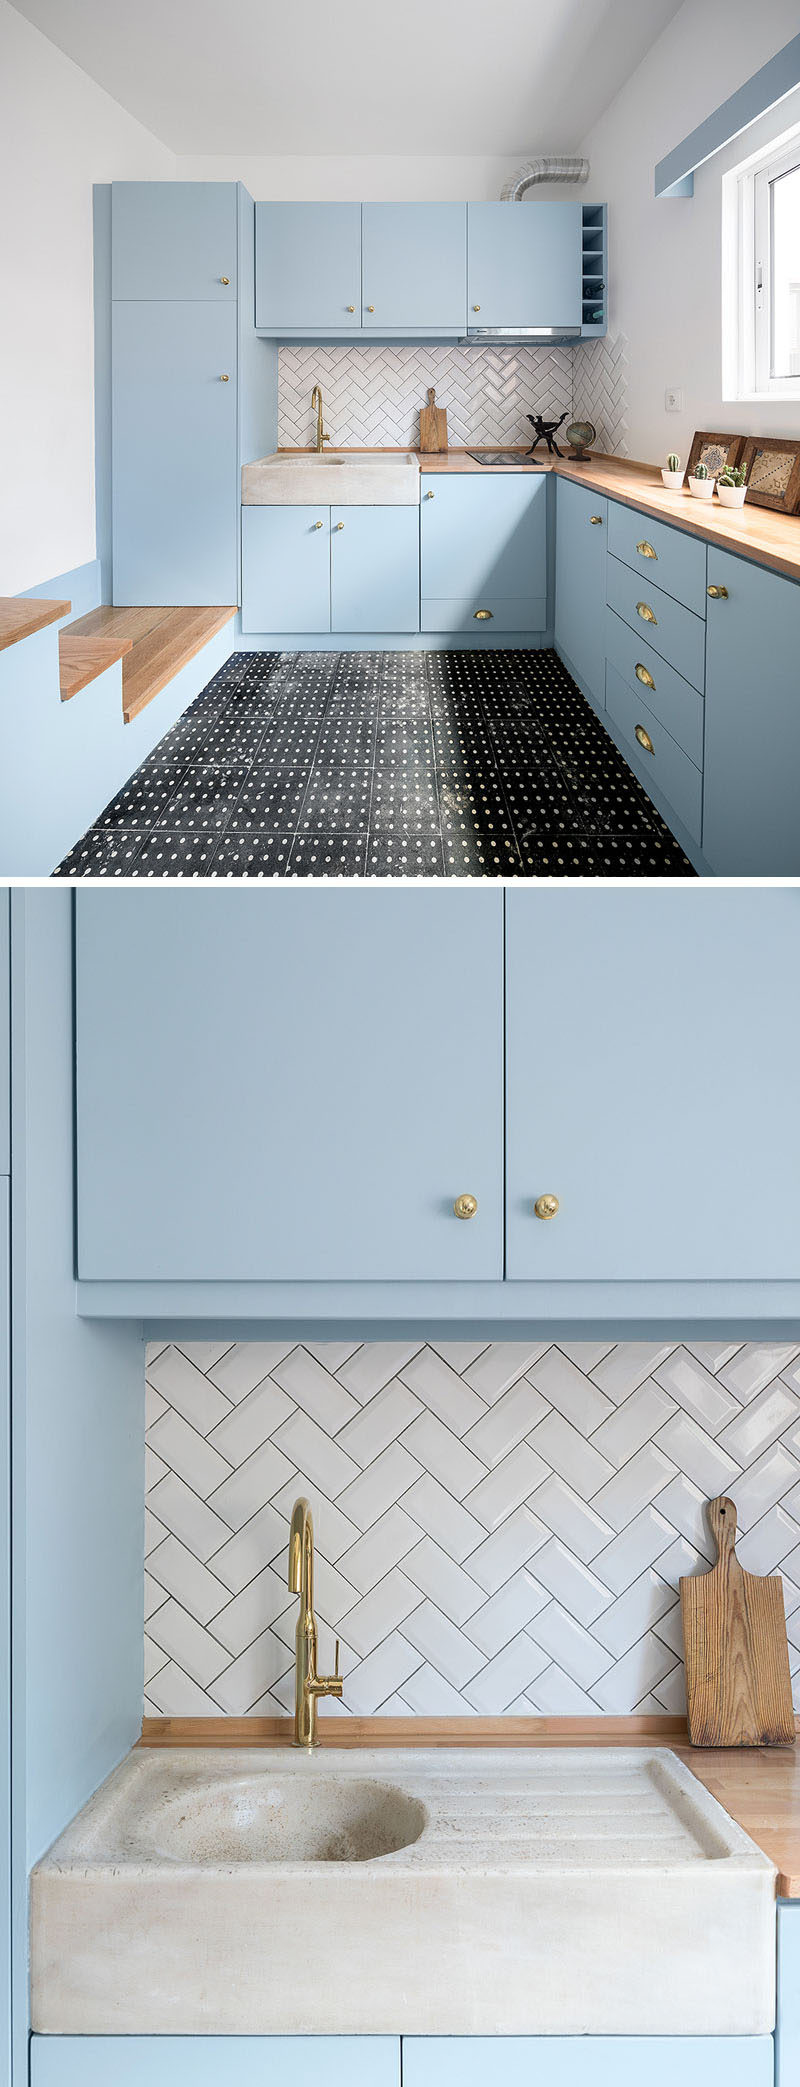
(770, 85)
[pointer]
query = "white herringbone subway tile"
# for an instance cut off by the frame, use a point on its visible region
(500, 1528)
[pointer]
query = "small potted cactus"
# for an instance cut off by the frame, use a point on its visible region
(700, 484)
(673, 475)
(732, 485)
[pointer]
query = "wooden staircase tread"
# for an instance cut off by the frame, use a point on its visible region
(20, 616)
(159, 655)
(81, 659)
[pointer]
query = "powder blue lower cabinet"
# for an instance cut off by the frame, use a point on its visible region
(581, 536)
(175, 472)
(751, 802)
(483, 553)
(286, 578)
(374, 568)
(588, 2061)
(216, 2061)
(787, 2039)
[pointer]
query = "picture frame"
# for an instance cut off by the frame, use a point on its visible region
(773, 472)
(715, 451)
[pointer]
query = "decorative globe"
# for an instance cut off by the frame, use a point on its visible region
(581, 434)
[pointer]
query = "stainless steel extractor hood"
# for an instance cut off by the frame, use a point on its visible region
(511, 335)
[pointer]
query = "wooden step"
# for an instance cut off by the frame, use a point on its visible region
(20, 617)
(80, 660)
(153, 644)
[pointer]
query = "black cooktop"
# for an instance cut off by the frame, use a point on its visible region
(501, 456)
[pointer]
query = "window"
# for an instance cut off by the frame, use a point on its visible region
(761, 312)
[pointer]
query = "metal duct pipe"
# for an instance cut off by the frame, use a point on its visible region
(553, 166)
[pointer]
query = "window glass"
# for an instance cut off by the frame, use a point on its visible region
(785, 272)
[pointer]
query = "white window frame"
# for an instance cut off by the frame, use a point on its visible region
(747, 275)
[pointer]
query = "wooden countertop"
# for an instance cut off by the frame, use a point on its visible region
(755, 532)
(758, 1786)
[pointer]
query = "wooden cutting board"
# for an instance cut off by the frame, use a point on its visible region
(738, 1688)
(432, 424)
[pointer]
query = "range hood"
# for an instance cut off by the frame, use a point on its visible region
(513, 335)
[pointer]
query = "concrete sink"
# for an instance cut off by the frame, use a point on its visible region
(336, 477)
(435, 1892)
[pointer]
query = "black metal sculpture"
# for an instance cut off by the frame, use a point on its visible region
(545, 430)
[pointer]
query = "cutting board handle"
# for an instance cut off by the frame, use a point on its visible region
(431, 395)
(722, 1522)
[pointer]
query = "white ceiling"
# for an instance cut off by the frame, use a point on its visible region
(505, 77)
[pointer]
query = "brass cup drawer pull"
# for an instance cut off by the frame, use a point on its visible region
(483, 615)
(644, 739)
(644, 610)
(596, 521)
(546, 1206)
(465, 1206)
(642, 675)
(645, 549)
(718, 593)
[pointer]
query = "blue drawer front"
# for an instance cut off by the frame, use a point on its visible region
(486, 614)
(677, 633)
(672, 699)
(215, 2061)
(677, 778)
(667, 557)
(588, 2061)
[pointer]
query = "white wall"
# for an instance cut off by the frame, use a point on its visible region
(665, 260)
(59, 133)
(382, 178)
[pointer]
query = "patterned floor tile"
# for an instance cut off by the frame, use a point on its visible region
(269, 801)
(336, 801)
(328, 855)
(251, 855)
(102, 852)
(187, 854)
(204, 798)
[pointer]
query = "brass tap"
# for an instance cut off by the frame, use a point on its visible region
(321, 435)
(308, 1684)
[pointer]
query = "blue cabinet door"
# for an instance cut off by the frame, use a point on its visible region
(308, 267)
(5, 1031)
(316, 1101)
(588, 2061)
(374, 568)
(174, 240)
(215, 2061)
(581, 537)
(175, 473)
(678, 1155)
(787, 2037)
(5, 1634)
(483, 536)
(286, 584)
(751, 801)
(414, 267)
(524, 265)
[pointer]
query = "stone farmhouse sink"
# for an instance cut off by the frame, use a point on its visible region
(336, 477)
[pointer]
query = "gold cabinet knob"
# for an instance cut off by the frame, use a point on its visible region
(644, 610)
(224, 379)
(476, 307)
(645, 549)
(642, 675)
(370, 307)
(465, 1206)
(546, 1206)
(338, 525)
(718, 593)
(644, 739)
(483, 615)
(225, 279)
(429, 496)
(317, 525)
(351, 307)
(595, 520)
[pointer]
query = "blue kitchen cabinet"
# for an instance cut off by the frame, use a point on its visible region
(308, 267)
(175, 240)
(174, 443)
(678, 1155)
(581, 538)
(5, 1628)
(587, 2061)
(5, 1031)
(286, 583)
(208, 2061)
(524, 263)
(414, 267)
(374, 569)
(751, 799)
(787, 2037)
(286, 1086)
(483, 551)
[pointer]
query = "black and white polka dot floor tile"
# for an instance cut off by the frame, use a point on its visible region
(393, 764)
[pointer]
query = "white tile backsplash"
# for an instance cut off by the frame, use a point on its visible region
(500, 1528)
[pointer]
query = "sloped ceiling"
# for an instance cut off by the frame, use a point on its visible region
(501, 77)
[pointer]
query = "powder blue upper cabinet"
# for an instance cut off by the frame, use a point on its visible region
(374, 568)
(308, 267)
(174, 239)
(751, 800)
(524, 265)
(289, 1085)
(483, 559)
(651, 1086)
(414, 267)
(175, 473)
(581, 536)
(286, 581)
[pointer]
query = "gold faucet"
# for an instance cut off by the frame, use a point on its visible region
(308, 1684)
(321, 436)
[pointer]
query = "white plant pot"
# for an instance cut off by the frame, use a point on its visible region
(731, 496)
(673, 480)
(702, 488)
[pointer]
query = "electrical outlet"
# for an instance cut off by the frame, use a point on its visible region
(673, 399)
